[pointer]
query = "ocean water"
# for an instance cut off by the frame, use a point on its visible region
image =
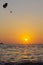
(16, 53)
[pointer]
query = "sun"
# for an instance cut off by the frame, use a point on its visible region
(26, 39)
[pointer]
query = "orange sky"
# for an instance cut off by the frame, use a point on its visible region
(26, 22)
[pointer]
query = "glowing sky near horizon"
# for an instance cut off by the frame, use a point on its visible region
(25, 21)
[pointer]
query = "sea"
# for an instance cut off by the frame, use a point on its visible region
(19, 52)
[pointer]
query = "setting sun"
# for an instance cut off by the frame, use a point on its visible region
(26, 39)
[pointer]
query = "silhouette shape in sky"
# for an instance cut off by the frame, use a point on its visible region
(10, 11)
(5, 5)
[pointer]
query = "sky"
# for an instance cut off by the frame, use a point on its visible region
(25, 21)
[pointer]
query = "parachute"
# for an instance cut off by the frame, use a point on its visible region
(5, 5)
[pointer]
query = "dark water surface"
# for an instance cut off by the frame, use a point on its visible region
(16, 53)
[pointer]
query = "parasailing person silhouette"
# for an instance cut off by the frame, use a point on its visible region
(5, 5)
